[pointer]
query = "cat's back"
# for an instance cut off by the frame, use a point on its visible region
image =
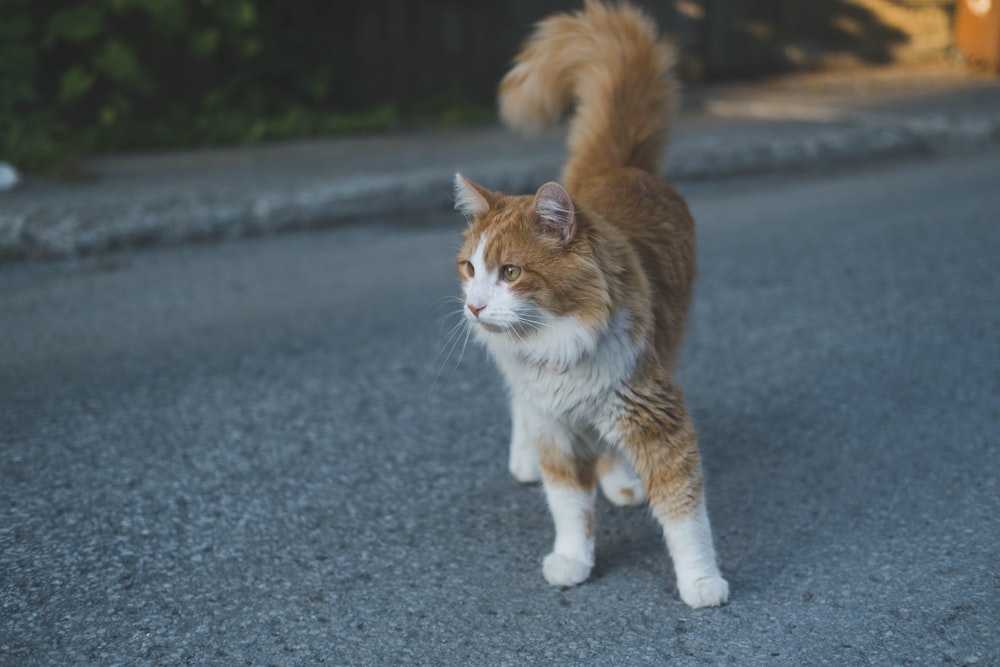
(660, 229)
(650, 212)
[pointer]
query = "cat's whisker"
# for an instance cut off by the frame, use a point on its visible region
(514, 330)
(465, 343)
(523, 319)
(522, 327)
(459, 313)
(448, 346)
(445, 362)
(447, 300)
(454, 333)
(535, 323)
(522, 334)
(461, 355)
(461, 321)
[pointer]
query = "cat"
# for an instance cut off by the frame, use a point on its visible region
(580, 291)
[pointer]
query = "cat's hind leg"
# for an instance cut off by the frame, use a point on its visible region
(619, 483)
(659, 438)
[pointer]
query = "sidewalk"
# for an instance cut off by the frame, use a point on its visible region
(801, 122)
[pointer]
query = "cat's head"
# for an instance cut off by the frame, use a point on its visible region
(527, 262)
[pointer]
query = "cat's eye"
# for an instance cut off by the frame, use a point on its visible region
(469, 269)
(511, 273)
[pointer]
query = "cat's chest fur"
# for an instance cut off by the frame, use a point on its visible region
(570, 372)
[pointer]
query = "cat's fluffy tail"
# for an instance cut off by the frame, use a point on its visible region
(610, 61)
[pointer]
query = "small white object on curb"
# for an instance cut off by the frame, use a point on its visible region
(9, 178)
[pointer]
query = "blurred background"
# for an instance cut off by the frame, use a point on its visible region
(120, 75)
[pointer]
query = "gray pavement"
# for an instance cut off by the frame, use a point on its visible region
(251, 452)
(802, 122)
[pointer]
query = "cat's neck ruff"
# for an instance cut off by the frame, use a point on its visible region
(564, 343)
(557, 344)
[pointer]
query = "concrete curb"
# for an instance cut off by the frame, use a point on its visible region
(54, 230)
(830, 147)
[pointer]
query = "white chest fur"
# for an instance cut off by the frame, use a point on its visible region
(567, 371)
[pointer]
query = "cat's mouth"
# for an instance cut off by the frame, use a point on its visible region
(492, 328)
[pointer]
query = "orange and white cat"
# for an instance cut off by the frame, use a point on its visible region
(580, 292)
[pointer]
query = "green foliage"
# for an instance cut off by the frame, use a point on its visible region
(107, 75)
(74, 26)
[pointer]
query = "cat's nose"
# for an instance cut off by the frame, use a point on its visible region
(475, 309)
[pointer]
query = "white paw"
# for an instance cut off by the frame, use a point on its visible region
(711, 591)
(560, 570)
(523, 464)
(619, 483)
(622, 490)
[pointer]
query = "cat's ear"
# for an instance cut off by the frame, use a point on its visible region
(471, 199)
(555, 209)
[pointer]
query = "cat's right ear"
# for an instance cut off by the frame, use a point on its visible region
(556, 211)
(471, 199)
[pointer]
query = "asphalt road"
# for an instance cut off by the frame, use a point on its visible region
(256, 453)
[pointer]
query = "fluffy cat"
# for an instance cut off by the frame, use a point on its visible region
(580, 294)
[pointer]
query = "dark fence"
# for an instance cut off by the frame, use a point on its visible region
(407, 50)
(123, 74)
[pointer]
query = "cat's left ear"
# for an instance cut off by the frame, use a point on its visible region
(471, 199)
(555, 208)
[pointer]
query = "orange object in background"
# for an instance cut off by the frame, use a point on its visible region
(977, 32)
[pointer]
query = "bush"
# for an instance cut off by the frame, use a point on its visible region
(138, 74)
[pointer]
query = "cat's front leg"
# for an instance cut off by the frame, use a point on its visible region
(570, 486)
(689, 540)
(523, 461)
(659, 438)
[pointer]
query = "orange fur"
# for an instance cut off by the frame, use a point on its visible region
(620, 242)
(610, 62)
(566, 470)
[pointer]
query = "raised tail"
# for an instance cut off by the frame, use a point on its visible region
(610, 62)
